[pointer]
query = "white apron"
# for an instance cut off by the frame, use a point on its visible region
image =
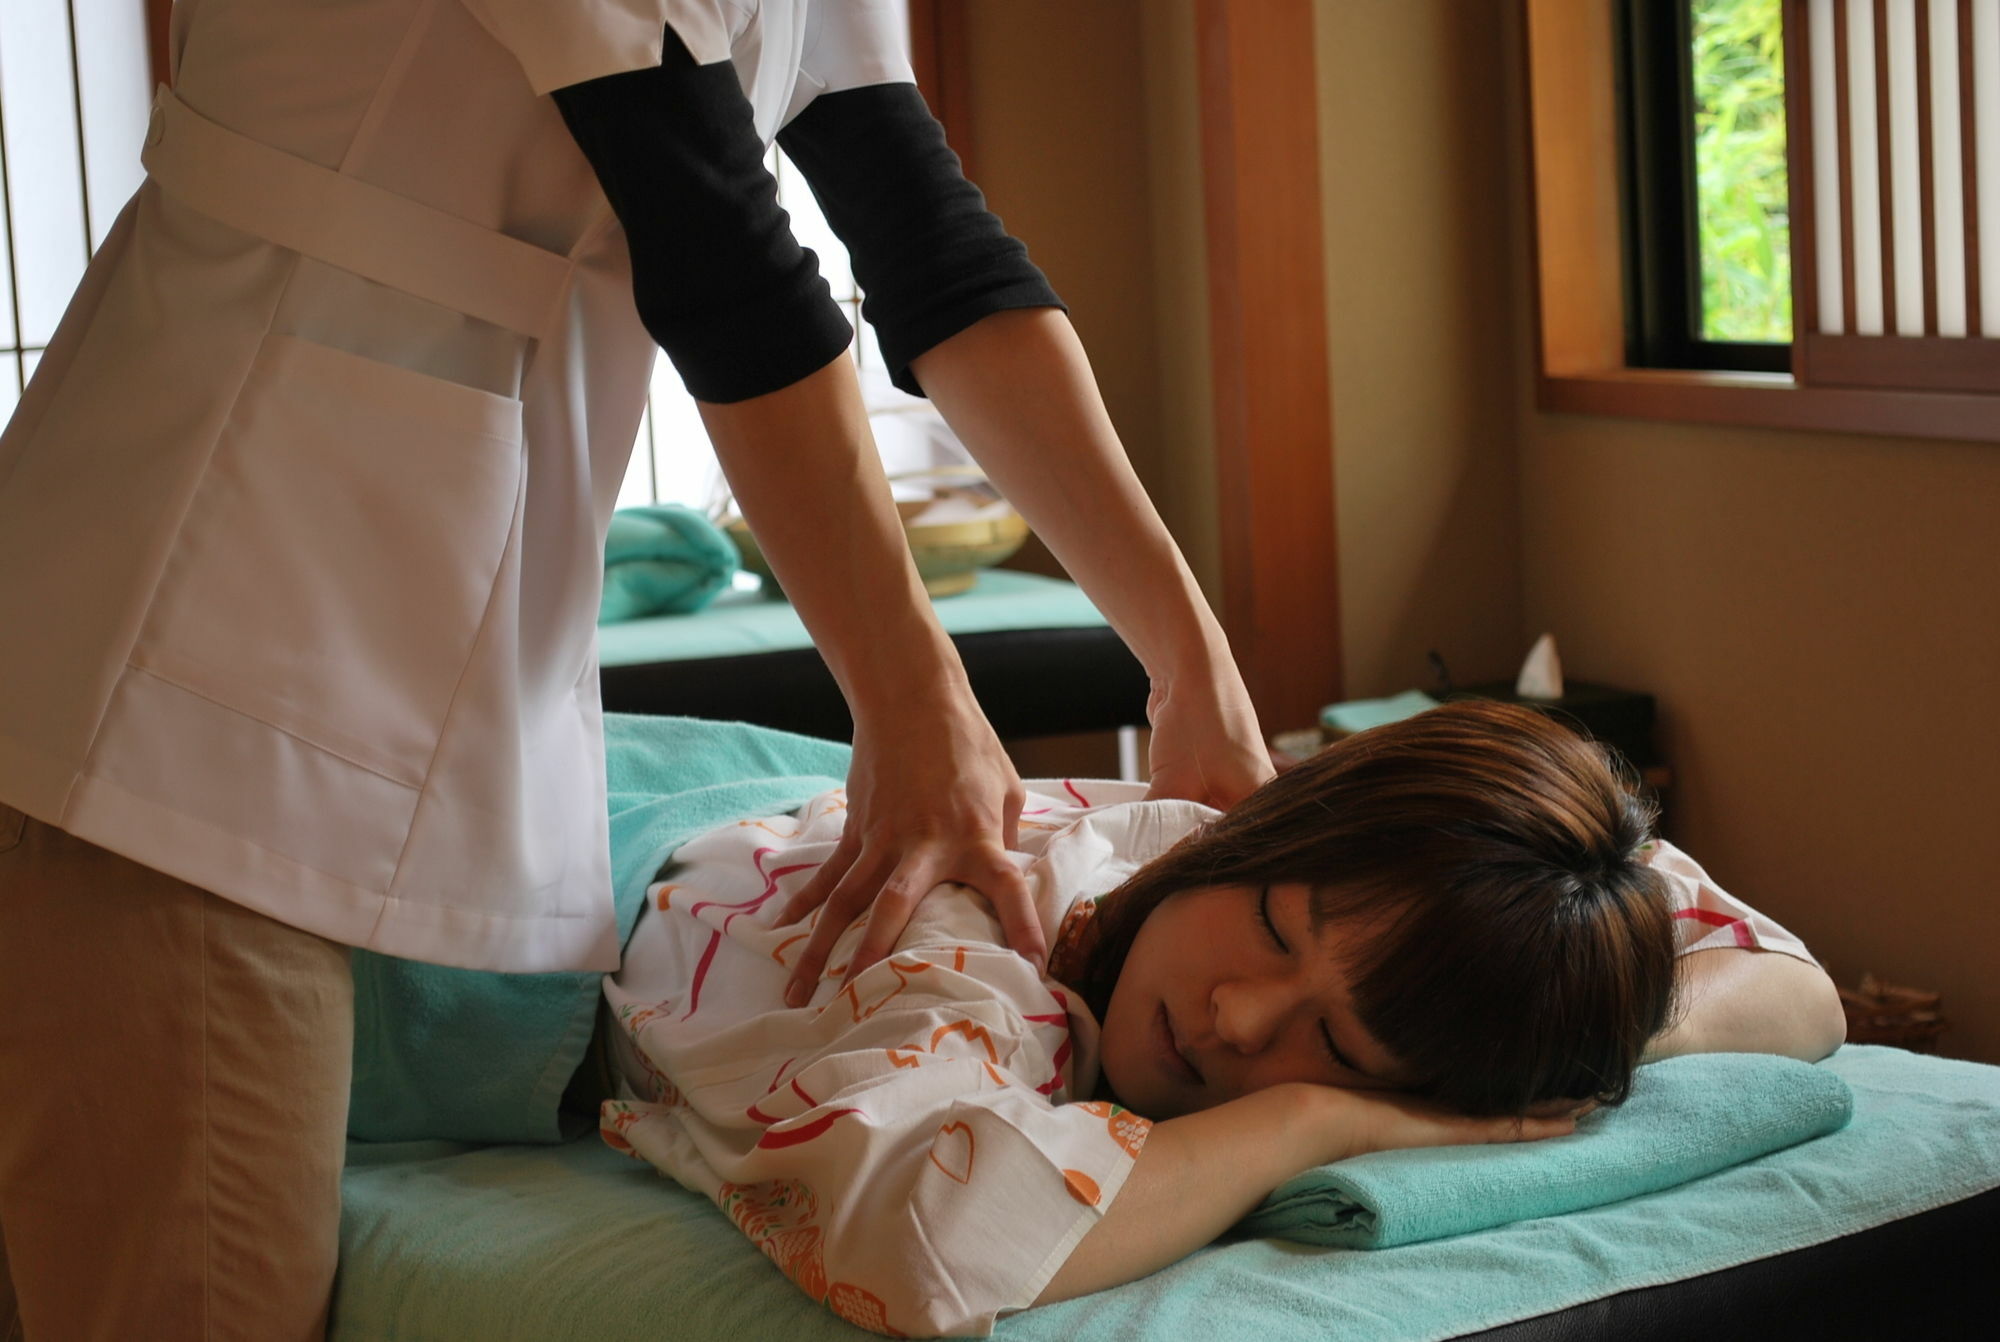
(302, 516)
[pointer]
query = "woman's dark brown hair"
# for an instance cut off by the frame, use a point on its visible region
(1519, 949)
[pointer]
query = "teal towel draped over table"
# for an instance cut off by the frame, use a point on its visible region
(1687, 1117)
(479, 1057)
(663, 559)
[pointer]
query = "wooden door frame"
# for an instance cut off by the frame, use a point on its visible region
(1274, 445)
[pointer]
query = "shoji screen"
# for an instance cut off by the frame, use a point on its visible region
(1894, 107)
(74, 92)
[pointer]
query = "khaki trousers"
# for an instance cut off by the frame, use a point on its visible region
(174, 1074)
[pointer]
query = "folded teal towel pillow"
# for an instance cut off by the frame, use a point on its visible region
(663, 559)
(1687, 1117)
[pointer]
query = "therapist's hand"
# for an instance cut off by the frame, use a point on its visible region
(1206, 745)
(931, 797)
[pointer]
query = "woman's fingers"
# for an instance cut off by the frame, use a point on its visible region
(1526, 1129)
(1392, 1122)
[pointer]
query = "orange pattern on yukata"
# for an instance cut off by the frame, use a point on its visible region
(851, 995)
(778, 1216)
(861, 1308)
(835, 971)
(614, 1119)
(766, 827)
(952, 1151)
(1082, 1187)
(1126, 1128)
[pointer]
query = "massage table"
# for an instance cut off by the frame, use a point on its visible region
(1886, 1228)
(449, 1242)
(1041, 661)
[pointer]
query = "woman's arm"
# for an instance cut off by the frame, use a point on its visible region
(1200, 1174)
(1745, 1001)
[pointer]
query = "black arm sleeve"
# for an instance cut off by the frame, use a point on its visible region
(738, 306)
(929, 256)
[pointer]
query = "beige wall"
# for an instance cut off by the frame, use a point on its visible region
(1414, 189)
(1819, 615)
(1058, 105)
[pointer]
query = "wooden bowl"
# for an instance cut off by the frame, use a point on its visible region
(949, 555)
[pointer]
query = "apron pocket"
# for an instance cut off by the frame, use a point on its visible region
(337, 560)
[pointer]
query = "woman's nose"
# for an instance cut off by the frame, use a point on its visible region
(1246, 1013)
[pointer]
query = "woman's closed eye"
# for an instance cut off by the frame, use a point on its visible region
(1278, 939)
(1264, 917)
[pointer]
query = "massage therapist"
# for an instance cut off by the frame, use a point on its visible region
(301, 542)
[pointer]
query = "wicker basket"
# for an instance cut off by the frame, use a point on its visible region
(1887, 1013)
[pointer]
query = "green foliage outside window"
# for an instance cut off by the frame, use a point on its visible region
(1739, 123)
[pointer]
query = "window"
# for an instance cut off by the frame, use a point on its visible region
(1707, 227)
(74, 97)
(672, 461)
(1714, 176)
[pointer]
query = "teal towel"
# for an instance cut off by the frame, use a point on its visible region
(1358, 715)
(1687, 1117)
(663, 559)
(471, 1056)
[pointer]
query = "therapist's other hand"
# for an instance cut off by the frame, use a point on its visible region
(931, 798)
(1206, 746)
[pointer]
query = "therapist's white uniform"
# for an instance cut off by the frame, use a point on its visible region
(302, 517)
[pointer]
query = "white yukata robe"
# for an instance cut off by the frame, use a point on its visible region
(916, 1150)
(910, 1149)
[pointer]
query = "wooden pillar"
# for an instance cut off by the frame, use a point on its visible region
(1267, 314)
(157, 15)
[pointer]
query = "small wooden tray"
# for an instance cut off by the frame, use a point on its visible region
(1880, 1012)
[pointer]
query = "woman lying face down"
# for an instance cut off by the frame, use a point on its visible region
(1453, 929)
(1458, 906)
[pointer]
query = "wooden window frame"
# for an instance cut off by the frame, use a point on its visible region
(1579, 286)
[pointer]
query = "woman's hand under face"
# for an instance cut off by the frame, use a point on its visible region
(931, 800)
(1387, 1120)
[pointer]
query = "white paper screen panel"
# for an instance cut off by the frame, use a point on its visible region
(74, 97)
(1905, 165)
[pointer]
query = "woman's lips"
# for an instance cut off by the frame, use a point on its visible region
(1175, 1061)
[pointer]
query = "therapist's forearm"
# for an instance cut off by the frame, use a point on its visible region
(1745, 1001)
(1017, 388)
(808, 480)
